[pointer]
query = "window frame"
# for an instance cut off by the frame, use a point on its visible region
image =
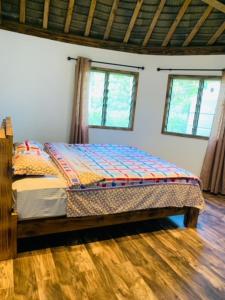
(198, 104)
(133, 101)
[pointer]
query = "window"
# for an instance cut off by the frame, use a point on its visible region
(112, 98)
(190, 105)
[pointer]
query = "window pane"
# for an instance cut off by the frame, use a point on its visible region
(203, 131)
(208, 106)
(119, 100)
(182, 105)
(97, 82)
(205, 121)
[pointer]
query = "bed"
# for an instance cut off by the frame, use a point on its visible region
(96, 185)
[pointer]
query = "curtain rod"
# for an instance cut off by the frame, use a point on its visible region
(107, 63)
(208, 70)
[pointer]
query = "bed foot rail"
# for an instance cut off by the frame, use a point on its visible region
(191, 217)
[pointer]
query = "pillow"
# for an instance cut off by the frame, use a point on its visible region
(28, 146)
(32, 164)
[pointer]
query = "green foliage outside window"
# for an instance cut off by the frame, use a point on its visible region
(112, 98)
(191, 105)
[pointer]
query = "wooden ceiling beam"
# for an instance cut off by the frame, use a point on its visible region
(133, 20)
(216, 4)
(176, 22)
(69, 15)
(154, 22)
(111, 19)
(90, 17)
(22, 16)
(198, 25)
(217, 34)
(87, 41)
(46, 14)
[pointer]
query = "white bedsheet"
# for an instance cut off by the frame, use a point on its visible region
(40, 197)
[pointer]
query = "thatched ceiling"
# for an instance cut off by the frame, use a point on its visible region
(142, 26)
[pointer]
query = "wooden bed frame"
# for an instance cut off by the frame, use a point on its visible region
(11, 229)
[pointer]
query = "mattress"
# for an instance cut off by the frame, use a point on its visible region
(47, 197)
(40, 197)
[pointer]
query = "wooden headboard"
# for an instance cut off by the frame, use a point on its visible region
(8, 218)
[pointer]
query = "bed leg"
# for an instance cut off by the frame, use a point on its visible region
(8, 218)
(191, 217)
(8, 237)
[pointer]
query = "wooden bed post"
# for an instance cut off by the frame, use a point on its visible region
(8, 218)
(191, 217)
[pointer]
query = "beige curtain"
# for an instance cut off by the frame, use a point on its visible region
(79, 125)
(213, 170)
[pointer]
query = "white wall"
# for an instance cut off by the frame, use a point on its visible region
(36, 89)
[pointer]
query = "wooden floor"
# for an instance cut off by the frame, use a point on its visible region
(151, 260)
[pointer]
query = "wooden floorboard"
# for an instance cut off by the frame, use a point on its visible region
(158, 259)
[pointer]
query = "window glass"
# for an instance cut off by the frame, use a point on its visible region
(208, 106)
(184, 94)
(112, 98)
(191, 105)
(120, 92)
(97, 82)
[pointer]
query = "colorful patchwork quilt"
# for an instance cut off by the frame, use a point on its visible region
(106, 165)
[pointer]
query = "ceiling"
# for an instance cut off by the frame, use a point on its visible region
(140, 26)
